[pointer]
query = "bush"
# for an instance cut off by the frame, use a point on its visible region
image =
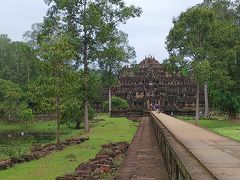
(26, 115)
(117, 104)
(14, 147)
(91, 113)
(73, 113)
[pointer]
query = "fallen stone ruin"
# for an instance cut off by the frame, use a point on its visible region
(39, 151)
(104, 166)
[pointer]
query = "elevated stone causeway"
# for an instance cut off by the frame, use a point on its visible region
(191, 152)
(144, 159)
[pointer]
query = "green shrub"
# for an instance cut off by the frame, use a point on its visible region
(117, 104)
(91, 113)
(73, 113)
(26, 115)
(14, 148)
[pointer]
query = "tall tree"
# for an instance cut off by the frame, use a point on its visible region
(201, 73)
(210, 32)
(115, 54)
(11, 100)
(16, 61)
(89, 23)
(53, 87)
(189, 38)
(225, 40)
(31, 36)
(177, 64)
(73, 111)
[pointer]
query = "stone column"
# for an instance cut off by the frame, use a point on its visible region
(148, 104)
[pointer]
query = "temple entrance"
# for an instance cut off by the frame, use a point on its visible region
(153, 101)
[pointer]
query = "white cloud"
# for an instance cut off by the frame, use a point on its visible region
(147, 33)
(17, 16)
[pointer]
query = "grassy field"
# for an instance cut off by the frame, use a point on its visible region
(219, 125)
(25, 143)
(49, 126)
(59, 163)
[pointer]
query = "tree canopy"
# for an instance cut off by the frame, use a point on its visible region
(207, 37)
(90, 24)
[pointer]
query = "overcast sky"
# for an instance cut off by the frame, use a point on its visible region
(147, 34)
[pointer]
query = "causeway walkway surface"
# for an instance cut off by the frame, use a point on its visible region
(218, 154)
(144, 160)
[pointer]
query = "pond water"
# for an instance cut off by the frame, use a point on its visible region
(30, 137)
(17, 143)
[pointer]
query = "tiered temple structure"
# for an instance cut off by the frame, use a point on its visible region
(148, 83)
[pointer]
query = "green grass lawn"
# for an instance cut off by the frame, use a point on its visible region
(49, 126)
(218, 125)
(58, 163)
(25, 143)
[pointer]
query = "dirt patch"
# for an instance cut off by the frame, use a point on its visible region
(104, 166)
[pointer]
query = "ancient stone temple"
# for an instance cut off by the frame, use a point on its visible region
(148, 83)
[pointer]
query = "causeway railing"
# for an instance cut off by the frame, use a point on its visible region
(179, 162)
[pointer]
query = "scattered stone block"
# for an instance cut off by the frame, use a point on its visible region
(102, 164)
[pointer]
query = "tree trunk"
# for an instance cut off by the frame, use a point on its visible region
(85, 116)
(86, 123)
(17, 66)
(197, 106)
(58, 121)
(206, 100)
(78, 124)
(58, 128)
(110, 100)
(28, 72)
(232, 115)
(85, 63)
